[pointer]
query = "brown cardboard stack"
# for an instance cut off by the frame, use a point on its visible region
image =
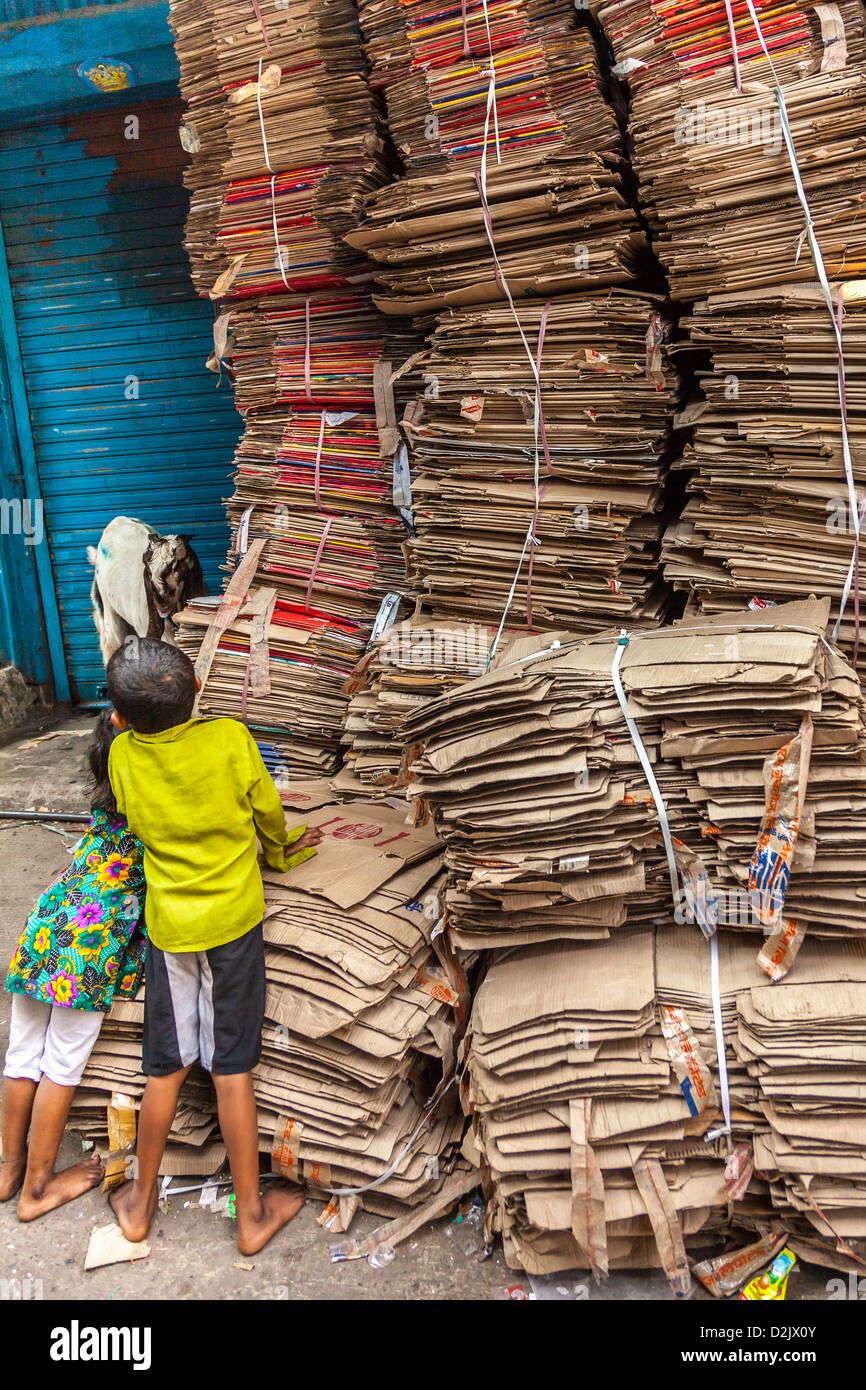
(806, 1045)
(307, 659)
(540, 446)
(550, 826)
(437, 71)
(552, 838)
(293, 141)
(574, 1099)
(586, 544)
(771, 513)
(769, 516)
(360, 1012)
(413, 661)
(714, 173)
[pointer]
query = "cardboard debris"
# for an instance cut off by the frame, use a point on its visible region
(109, 1246)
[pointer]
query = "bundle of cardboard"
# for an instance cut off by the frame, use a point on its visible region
(588, 1103)
(750, 724)
(411, 662)
(360, 1030)
(730, 149)
(519, 77)
(283, 123)
(295, 702)
(596, 1097)
(769, 515)
(713, 161)
(577, 543)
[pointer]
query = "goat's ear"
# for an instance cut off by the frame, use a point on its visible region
(186, 536)
(91, 555)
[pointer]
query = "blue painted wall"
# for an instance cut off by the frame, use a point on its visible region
(40, 56)
(124, 414)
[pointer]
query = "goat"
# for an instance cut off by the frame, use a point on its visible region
(141, 579)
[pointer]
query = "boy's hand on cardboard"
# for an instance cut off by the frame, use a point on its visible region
(311, 837)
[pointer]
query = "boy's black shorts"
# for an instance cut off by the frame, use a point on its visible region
(205, 1006)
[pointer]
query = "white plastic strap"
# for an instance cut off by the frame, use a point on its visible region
(646, 765)
(277, 247)
(720, 1040)
(392, 1167)
(825, 286)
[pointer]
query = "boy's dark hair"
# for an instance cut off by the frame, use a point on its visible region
(151, 684)
(104, 735)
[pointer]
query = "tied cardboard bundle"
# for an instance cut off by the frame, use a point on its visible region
(280, 670)
(560, 225)
(597, 1103)
(577, 545)
(285, 137)
(413, 661)
(293, 141)
(713, 162)
(516, 77)
(359, 1043)
(769, 517)
(577, 1111)
(754, 730)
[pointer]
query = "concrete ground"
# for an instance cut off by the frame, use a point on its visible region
(193, 1251)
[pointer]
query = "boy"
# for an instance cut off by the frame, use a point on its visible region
(196, 793)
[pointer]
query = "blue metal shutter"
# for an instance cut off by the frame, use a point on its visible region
(93, 222)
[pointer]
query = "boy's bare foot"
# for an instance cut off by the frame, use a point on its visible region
(134, 1212)
(60, 1188)
(11, 1176)
(280, 1202)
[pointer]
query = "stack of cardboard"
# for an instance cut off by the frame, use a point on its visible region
(724, 161)
(307, 658)
(412, 662)
(360, 1027)
(574, 1101)
(293, 137)
(608, 392)
(756, 733)
(444, 73)
(769, 517)
(806, 1046)
(714, 173)
(550, 827)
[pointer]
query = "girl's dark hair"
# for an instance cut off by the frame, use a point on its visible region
(104, 735)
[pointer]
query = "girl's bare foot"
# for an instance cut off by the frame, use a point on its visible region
(11, 1176)
(59, 1188)
(280, 1203)
(134, 1210)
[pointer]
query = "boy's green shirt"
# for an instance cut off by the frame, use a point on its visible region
(196, 796)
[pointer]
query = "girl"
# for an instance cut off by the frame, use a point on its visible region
(83, 942)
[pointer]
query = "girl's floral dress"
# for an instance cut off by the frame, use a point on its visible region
(84, 940)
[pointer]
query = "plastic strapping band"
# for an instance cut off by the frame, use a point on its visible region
(316, 475)
(734, 52)
(541, 332)
(646, 765)
(243, 539)
(273, 177)
(538, 498)
(825, 286)
(392, 1167)
(466, 49)
(258, 15)
(316, 559)
(720, 1039)
(246, 686)
(307, 389)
